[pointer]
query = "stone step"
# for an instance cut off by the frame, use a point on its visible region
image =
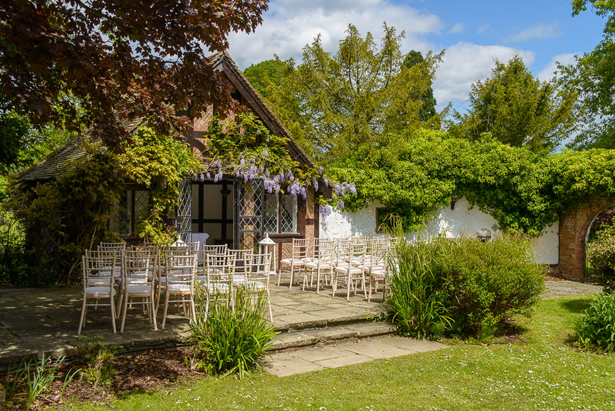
(307, 337)
(298, 323)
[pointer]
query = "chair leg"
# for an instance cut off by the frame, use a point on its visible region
(166, 307)
(269, 303)
(292, 276)
(193, 317)
(124, 309)
(82, 319)
(318, 280)
(153, 312)
(112, 304)
(349, 284)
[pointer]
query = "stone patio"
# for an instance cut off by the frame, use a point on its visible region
(37, 320)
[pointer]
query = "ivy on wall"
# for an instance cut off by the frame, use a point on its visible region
(523, 191)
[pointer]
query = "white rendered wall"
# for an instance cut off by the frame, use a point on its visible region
(451, 223)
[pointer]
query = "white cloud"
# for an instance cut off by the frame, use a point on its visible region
(290, 25)
(464, 63)
(483, 28)
(457, 28)
(540, 31)
(547, 72)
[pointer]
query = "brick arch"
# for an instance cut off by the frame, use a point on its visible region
(572, 235)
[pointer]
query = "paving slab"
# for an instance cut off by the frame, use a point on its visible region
(374, 349)
(284, 365)
(343, 361)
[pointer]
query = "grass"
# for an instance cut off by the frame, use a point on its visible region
(538, 371)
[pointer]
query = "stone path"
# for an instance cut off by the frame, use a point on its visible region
(564, 288)
(345, 353)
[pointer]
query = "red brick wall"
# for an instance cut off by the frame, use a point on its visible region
(573, 228)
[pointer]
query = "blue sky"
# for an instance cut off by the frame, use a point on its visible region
(472, 32)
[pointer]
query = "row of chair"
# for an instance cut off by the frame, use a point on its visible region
(364, 260)
(142, 275)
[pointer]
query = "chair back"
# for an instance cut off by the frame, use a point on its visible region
(181, 269)
(241, 259)
(302, 248)
(220, 269)
(258, 267)
(99, 271)
(138, 267)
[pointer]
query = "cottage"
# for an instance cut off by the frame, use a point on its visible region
(227, 211)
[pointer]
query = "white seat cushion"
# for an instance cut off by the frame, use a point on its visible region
(99, 292)
(291, 261)
(139, 290)
(353, 270)
(179, 288)
(255, 285)
(94, 282)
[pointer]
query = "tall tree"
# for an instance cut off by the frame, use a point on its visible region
(518, 109)
(594, 76)
(263, 74)
(428, 109)
(345, 103)
(118, 58)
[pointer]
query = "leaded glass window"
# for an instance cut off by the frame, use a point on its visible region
(280, 214)
(132, 208)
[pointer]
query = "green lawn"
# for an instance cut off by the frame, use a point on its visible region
(539, 372)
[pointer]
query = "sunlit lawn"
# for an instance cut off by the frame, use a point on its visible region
(539, 372)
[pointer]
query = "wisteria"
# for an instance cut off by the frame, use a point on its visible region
(342, 188)
(325, 211)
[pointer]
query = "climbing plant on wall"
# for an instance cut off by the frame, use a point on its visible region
(524, 191)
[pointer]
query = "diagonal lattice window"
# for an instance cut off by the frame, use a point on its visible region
(119, 220)
(288, 214)
(270, 223)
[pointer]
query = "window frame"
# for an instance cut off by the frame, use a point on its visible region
(295, 216)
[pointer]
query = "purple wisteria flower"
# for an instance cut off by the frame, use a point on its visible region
(340, 204)
(208, 175)
(326, 181)
(315, 184)
(325, 211)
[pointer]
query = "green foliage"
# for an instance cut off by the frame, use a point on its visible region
(160, 163)
(13, 265)
(466, 286)
(488, 283)
(265, 73)
(62, 218)
(13, 132)
(596, 328)
(231, 340)
(31, 379)
(593, 76)
(97, 361)
(428, 109)
(518, 109)
(601, 257)
(524, 191)
(337, 103)
(416, 301)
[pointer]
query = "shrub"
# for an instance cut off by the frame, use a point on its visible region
(488, 283)
(463, 286)
(601, 257)
(231, 340)
(596, 327)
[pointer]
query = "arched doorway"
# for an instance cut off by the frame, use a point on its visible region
(604, 218)
(573, 235)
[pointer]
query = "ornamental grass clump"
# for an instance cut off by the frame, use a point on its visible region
(231, 339)
(596, 328)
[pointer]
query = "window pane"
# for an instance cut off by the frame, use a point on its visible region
(119, 220)
(288, 214)
(270, 221)
(141, 207)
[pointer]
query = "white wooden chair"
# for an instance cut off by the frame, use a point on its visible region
(179, 283)
(355, 253)
(322, 262)
(138, 283)
(98, 283)
(220, 272)
(242, 257)
(258, 273)
(300, 254)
